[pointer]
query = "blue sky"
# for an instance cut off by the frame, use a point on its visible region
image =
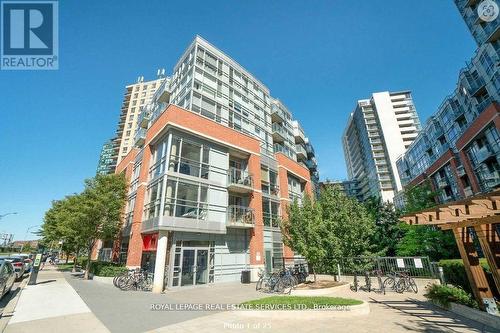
(318, 57)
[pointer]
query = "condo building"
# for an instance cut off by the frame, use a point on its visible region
(215, 162)
(136, 96)
(348, 187)
(106, 164)
(458, 151)
(378, 131)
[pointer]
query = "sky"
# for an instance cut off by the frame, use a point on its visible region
(318, 57)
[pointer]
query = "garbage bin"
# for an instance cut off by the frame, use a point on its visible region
(245, 276)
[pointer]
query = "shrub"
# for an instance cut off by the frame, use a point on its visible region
(454, 272)
(444, 295)
(106, 269)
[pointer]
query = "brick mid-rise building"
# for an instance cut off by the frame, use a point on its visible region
(215, 163)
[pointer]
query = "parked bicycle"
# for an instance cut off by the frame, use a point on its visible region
(400, 282)
(282, 281)
(134, 279)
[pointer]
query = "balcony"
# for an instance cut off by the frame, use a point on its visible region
(140, 137)
(442, 183)
(239, 181)
(143, 119)
(484, 153)
(475, 87)
(279, 133)
(301, 152)
(240, 217)
(312, 164)
(310, 150)
(277, 114)
(460, 171)
(483, 105)
(162, 95)
(468, 192)
(490, 180)
(298, 133)
(492, 31)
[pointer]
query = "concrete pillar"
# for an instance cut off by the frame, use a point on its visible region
(161, 257)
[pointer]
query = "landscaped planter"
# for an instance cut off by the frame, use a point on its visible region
(334, 312)
(473, 314)
(320, 291)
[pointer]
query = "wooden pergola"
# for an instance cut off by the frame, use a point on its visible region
(481, 214)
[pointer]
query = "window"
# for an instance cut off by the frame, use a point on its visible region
(186, 199)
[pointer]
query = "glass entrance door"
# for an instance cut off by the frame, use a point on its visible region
(201, 267)
(194, 269)
(187, 271)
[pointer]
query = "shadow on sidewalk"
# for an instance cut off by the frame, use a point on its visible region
(430, 317)
(46, 281)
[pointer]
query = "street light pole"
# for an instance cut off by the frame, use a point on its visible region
(26, 236)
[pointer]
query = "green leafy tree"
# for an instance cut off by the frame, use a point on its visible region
(425, 240)
(80, 220)
(388, 230)
(428, 241)
(420, 197)
(326, 231)
(103, 201)
(303, 229)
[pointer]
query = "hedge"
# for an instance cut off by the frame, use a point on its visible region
(444, 295)
(103, 268)
(454, 272)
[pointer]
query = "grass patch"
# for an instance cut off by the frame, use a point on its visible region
(65, 267)
(298, 302)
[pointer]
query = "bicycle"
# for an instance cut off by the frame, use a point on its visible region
(406, 283)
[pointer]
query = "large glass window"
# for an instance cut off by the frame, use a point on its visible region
(186, 199)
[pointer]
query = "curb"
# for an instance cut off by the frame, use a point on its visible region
(8, 311)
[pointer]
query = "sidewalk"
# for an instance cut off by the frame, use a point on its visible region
(52, 305)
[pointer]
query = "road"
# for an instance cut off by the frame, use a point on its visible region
(8, 297)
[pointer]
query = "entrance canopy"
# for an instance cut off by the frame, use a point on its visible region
(475, 218)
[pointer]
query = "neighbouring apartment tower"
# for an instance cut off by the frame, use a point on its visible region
(378, 131)
(216, 161)
(106, 164)
(458, 151)
(349, 187)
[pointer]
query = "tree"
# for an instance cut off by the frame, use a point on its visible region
(388, 231)
(302, 231)
(425, 240)
(103, 201)
(326, 231)
(419, 197)
(428, 241)
(80, 220)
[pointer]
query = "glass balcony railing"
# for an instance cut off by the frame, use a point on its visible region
(484, 153)
(239, 178)
(140, 137)
(279, 132)
(240, 216)
(277, 114)
(301, 151)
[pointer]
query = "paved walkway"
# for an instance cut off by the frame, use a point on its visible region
(393, 312)
(52, 305)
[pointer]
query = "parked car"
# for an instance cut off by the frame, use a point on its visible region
(28, 263)
(7, 277)
(18, 264)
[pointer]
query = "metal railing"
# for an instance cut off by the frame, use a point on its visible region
(240, 215)
(415, 266)
(241, 177)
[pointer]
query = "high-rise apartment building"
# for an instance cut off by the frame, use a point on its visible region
(106, 164)
(378, 131)
(137, 95)
(216, 161)
(349, 187)
(458, 151)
